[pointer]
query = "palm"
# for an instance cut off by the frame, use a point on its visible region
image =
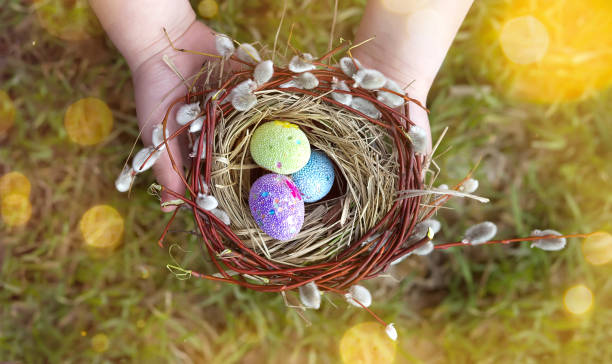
(156, 86)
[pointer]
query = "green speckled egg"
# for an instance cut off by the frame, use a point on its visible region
(280, 147)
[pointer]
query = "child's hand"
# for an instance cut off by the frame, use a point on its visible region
(410, 44)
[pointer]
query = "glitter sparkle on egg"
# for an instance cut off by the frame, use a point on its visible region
(316, 179)
(277, 206)
(280, 147)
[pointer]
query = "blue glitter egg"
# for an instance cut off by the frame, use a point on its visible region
(316, 179)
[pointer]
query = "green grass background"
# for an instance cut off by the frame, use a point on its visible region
(544, 166)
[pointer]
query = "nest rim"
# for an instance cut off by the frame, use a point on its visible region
(366, 256)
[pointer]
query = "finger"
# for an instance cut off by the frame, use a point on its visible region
(421, 119)
(155, 87)
(168, 171)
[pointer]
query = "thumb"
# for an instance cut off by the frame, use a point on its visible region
(152, 81)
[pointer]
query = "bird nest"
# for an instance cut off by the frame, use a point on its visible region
(353, 234)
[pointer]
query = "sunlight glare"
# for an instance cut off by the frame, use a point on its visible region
(16, 210)
(100, 343)
(367, 343)
(68, 19)
(578, 299)
(88, 121)
(102, 228)
(14, 183)
(597, 248)
(549, 51)
(524, 39)
(208, 9)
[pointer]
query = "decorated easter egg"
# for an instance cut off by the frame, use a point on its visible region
(276, 206)
(280, 147)
(316, 179)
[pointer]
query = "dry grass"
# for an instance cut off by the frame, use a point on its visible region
(365, 159)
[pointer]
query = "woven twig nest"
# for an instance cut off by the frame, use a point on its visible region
(354, 234)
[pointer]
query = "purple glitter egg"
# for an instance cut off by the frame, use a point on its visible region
(277, 206)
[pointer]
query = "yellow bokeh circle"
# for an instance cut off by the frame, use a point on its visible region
(16, 210)
(7, 112)
(102, 228)
(578, 299)
(597, 248)
(524, 39)
(208, 9)
(367, 343)
(14, 183)
(88, 121)
(100, 343)
(67, 19)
